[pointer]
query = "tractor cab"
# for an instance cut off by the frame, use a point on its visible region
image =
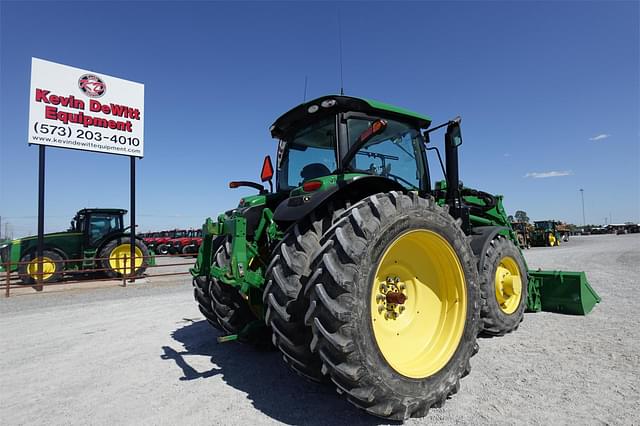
(343, 144)
(340, 135)
(545, 225)
(98, 224)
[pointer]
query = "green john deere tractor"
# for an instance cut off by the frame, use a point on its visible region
(545, 234)
(363, 272)
(94, 234)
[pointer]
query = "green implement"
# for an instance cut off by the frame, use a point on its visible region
(562, 292)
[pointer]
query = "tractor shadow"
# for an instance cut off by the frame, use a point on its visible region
(269, 384)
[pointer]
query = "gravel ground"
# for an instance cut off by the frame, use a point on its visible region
(144, 355)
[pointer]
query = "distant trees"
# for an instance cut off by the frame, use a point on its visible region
(521, 216)
(510, 218)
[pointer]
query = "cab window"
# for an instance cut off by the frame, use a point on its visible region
(394, 153)
(102, 224)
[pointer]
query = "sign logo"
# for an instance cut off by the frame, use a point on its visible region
(92, 85)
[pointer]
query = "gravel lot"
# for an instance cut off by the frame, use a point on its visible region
(144, 355)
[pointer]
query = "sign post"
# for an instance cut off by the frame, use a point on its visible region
(84, 110)
(133, 218)
(40, 249)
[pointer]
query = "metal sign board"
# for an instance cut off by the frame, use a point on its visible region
(80, 109)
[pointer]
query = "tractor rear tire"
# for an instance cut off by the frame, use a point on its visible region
(116, 255)
(503, 287)
(52, 268)
(389, 361)
(231, 310)
(285, 277)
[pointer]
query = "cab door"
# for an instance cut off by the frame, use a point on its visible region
(98, 227)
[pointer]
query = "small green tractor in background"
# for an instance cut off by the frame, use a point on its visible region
(548, 233)
(94, 234)
(362, 271)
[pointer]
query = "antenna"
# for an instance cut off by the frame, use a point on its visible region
(304, 97)
(340, 47)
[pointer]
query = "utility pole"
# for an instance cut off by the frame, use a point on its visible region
(584, 222)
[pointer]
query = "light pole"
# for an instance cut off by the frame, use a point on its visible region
(584, 223)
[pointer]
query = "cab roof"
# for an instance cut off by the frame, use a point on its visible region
(98, 210)
(296, 117)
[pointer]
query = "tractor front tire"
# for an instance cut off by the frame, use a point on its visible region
(52, 268)
(394, 305)
(201, 291)
(116, 255)
(163, 249)
(205, 305)
(503, 286)
(230, 308)
(285, 278)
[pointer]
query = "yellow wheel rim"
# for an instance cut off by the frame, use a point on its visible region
(508, 284)
(552, 240)
(120, 258)
(420, 332)
(48, 268)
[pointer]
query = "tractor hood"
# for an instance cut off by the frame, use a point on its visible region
(331, 104)
(9, 252)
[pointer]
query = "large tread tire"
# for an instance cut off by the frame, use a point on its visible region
(285, 278)
(201, 294)
(26, 277)
(339, 291)
(231, 310)
(201, 285)
(105, 253)
(189, 249)
(495, 322)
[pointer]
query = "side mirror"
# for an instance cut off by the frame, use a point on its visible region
(427, 137)
(453, 137)
(267, 171)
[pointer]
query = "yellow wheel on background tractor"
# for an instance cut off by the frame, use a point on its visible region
(551, 239)
(508, 285)
(52, 268)
(116, 257)
(418, 303)
(120, 258)
(48, 268)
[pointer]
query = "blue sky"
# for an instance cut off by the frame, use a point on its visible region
(548, 91)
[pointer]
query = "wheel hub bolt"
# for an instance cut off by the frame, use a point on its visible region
(391, 297)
